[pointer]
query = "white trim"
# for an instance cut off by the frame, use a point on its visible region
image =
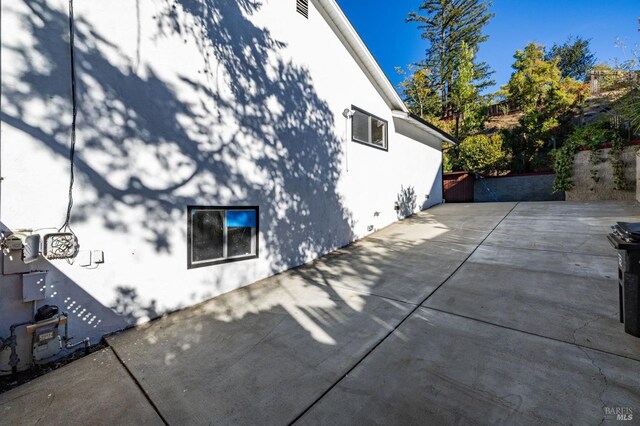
(402, 115)
(225, 236)
(343, 29)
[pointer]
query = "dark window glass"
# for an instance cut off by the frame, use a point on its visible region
(360, 126)
(221, 234)
(378, 132)
(208, 234)
(239, 241)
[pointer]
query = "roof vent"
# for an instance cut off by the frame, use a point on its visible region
(302, 7)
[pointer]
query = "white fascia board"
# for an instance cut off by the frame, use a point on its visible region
(405, 116)
(340, 24)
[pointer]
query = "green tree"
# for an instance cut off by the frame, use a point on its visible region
(448, 25)
(574, 56)
(545, 97)
(533, 79)
(448, 159)
(482, 154)
(417, 91)
(465, 104)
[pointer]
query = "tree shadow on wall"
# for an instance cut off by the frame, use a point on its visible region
(128, 305)
(278, 148)
(406, 201)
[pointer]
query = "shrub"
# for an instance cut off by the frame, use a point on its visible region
(482, 154)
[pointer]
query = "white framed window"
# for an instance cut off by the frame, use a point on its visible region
(368, 129)
(220, 234)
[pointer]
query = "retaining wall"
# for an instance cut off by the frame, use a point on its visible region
(528, 187)
(586, 189)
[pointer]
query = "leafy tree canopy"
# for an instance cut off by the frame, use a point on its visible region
(418, 91)
(449, 25)
(466, 103)
(545, 97)
(538, 86)
(574, 57)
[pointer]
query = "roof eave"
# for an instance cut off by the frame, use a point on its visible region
(425, 126)
(342, 27)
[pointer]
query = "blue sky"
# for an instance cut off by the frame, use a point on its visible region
(381, 24)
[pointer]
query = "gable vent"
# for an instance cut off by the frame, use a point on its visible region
(302, 7)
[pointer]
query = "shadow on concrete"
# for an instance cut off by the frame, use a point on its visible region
(267, 351)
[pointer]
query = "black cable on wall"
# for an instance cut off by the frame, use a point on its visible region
(74, 105)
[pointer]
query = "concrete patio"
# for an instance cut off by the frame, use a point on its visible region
(501, 313)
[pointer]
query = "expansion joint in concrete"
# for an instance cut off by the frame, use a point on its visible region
(402, 321)
(139, 385)
(582, 347)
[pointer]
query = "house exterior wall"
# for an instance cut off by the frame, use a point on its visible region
(219, 103)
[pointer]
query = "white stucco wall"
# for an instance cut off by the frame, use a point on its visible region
(224, 104)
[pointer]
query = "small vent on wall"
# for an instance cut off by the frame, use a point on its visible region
(302, 7)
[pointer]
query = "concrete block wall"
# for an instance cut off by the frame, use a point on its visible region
(516, 188)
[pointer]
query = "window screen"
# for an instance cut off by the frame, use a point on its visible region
(378, 132)
(241, 226)
(360, 126)
(208, 235)
(221, 234)
(368, 129)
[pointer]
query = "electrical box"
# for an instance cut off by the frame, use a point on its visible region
(47, 341)
(60, 245)
(84, 258)
(13, 242)
(13, 264)
(31, 248)
(34, 286)
(97, 256)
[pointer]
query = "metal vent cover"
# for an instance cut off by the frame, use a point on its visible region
(302, 7)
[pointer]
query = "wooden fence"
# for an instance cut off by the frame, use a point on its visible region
(458, 187)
